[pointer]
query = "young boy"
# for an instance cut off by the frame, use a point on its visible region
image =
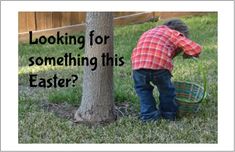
(152, 62)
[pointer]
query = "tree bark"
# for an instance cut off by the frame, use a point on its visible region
(97, 104)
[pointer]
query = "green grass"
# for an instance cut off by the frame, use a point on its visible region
(36, 125)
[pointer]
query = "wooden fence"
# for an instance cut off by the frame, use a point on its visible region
(33, 21)
(48, 23)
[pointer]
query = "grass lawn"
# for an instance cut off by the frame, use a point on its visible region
(45, 114)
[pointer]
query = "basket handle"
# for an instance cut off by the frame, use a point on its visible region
(203, 73)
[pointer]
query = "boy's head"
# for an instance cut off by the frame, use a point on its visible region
(178, 25)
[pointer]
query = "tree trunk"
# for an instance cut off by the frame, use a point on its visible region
(97, 104)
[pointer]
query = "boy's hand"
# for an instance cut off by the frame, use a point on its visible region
(177, 52)
(185, 56)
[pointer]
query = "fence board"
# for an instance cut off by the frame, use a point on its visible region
(82, 17)
(43, 20)
(26, 21)
(31, 21)
(22, 22)
(66, 19)
(75, 18)
(56, 19)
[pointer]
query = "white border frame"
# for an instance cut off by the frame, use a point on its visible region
(9, 67)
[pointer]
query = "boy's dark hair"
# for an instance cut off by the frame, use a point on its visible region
(178, 25)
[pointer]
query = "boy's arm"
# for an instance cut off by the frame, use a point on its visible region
(189, 47)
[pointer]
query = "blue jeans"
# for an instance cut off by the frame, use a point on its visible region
(162, 79)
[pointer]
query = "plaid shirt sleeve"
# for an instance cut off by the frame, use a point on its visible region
(189, 47)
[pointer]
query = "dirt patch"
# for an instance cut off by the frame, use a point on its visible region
(62, 110)
(67, 111)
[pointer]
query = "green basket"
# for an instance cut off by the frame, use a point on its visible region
(190, 95)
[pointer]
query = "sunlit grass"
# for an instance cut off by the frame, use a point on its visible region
(37, 69)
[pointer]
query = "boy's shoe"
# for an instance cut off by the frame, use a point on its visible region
(169, 116)
(151, 118)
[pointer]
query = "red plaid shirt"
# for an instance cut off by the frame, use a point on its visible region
(157, 47)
